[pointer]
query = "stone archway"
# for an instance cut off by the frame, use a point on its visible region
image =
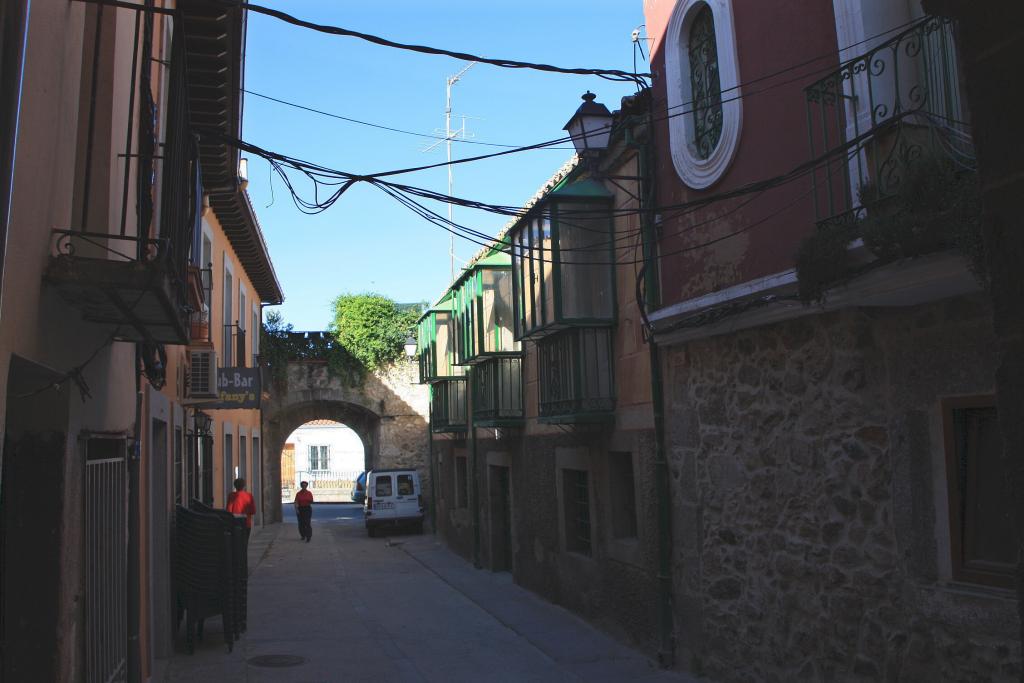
(278, 426)
(388, 410)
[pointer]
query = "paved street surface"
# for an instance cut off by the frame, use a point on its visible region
(397, 608)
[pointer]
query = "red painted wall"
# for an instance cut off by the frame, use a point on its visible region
(771, 37)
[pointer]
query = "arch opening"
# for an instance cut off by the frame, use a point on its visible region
(280, 424)
(327, 454)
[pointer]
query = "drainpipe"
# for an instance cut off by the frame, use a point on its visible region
(258, 362)
(475, 489)
(13, 39)
(134, 600)
(430, 454)
(662, 480)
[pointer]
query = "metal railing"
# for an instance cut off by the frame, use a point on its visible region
(448, 407)
(326, 485)
(344, 480)
(882, 111)
(106, 567)
(134, 235)
(181, 194)
(576, 373)
(498, 390)
(201, 330)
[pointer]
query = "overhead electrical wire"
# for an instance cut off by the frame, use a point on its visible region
(430, 136)
(608, 74)
(440, 221)
(488, 241)
(812, 60)
(320, 175)
(525, 148)
(741, 95)
(323, 175)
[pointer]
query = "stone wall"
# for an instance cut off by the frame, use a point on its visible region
(808, 474)
(454, 522)
(616, 586)
(389, 411)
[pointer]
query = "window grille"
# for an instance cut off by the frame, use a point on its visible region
(705, 83)
(461, 483)
(498, 391)
(576, 373)
(576, 499)
(448, 405)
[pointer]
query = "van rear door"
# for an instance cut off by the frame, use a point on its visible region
(407, 501)
(383, 496)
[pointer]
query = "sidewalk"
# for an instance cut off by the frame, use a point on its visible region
(401, 608)
(570, 642)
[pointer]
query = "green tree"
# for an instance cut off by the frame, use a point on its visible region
(372, 327)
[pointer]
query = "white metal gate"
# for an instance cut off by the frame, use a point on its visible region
(106, 567)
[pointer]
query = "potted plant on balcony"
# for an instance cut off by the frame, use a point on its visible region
(200, 328)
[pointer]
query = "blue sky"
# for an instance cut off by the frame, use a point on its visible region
(366, 241)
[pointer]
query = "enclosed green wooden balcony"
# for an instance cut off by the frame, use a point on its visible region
(576, 376)
(436, 342)
(483, 310)
(563, 261)
(498, 392)
(448, 409)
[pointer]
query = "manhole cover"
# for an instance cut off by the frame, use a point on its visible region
(276, 661)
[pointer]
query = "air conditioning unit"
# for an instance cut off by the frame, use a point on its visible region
(203, 374)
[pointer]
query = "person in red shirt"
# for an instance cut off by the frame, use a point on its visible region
(304, 511)
(240, 502)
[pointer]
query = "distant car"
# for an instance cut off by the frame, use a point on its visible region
(359, 490)
(393, 499)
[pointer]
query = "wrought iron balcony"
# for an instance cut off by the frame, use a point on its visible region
(880, 114)
(498, 392)
(577, 381)
(129, 273)
(200, 299)
(448, 406)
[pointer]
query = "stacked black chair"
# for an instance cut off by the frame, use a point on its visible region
(239, 563)
(203, 573)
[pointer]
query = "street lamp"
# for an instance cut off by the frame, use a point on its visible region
(203, 423)
(410, 346)
(590, 127)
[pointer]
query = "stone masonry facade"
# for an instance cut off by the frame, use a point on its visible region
(615, 585)
(388, 410)
(811, 535)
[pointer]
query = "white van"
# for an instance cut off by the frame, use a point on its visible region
(393, 498)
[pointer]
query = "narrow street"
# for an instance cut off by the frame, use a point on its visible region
(690, 329)
(397, 608)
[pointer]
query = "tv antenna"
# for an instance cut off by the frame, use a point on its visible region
(449, 135)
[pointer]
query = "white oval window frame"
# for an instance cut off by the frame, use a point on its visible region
(695, 172)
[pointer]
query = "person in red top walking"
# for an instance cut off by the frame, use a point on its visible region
(304, 511)
(240, 502)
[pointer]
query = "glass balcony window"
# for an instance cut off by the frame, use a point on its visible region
(448, 406)
(576, 376)
(498, 392)
(436, 343)
(483, 305)
(562, 262)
